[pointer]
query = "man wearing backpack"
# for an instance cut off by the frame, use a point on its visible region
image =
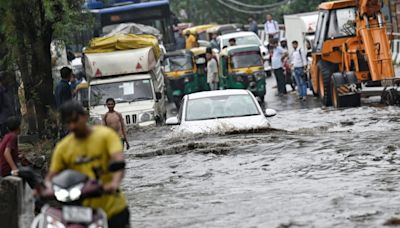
(114, 120)
(299, 63)
(271, 28)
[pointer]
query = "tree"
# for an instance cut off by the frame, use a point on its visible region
(29, 27)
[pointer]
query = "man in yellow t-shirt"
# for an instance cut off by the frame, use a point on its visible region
(191, 40)
(86, 148)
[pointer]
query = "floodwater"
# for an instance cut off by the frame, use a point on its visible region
(315, 168)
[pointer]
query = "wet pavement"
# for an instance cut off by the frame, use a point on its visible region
(316, 167)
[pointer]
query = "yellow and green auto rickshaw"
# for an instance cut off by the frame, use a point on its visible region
(201, 63)
(241, 67)
(200, 30)
(181, 71)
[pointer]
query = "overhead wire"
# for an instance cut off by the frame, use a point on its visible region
(250, 11)
(272, 5)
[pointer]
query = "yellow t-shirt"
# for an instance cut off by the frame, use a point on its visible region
(191, 42)
(84, 154)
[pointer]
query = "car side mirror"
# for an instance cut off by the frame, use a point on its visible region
(200, 61)
(270, 112)
(172, 121)
(266, 43)
(158, 95)
(116, 166)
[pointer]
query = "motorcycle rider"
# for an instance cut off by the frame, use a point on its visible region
(87, 148)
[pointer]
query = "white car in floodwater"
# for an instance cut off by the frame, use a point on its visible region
(220, 111)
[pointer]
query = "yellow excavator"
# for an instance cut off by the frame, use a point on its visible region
(351, 48)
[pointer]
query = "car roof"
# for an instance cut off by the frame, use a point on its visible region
(217, 93)
(237, 34)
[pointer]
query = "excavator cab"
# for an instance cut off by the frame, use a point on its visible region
(351, 47)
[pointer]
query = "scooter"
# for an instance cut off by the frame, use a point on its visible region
(69, 189)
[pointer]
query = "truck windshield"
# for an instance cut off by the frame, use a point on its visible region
(122, 92)
(341, 23)
(178, 63)
(246, 59)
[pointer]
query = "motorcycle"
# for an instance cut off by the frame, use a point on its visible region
(69, 188)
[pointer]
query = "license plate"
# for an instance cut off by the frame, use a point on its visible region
(72, 214)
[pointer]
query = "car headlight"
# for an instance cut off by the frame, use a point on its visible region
(72, 194)
(146, 116)
(186, 80)
(260, 75)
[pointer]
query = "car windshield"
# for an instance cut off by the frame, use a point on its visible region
(219, 107)
(178, 63)
(244, 40)
(246, 59)
(127, 91)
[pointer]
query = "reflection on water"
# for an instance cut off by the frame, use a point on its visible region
(320, 168)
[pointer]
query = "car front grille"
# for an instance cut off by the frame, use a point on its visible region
(130, 119)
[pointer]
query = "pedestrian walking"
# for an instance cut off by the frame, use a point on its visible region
(271, 28)
(299, 63)
(212, 70)
(277, 65)
(253, 26)
(214, 43)
(9, 148)
(63, 92)
(287, 70)
(115, 121)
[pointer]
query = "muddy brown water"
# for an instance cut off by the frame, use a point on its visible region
(318, 168)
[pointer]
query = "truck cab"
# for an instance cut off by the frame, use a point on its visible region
(134, 79)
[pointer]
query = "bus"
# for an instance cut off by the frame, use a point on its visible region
(156, 14)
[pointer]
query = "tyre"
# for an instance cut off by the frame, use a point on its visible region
(326, 70)
(353, 100)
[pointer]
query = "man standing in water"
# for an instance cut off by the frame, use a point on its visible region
(114, 120)
(86, 148)
(277, 66)
(212, 70)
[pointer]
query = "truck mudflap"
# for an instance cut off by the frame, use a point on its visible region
(346, 90)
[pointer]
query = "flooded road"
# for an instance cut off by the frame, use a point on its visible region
(315, 168)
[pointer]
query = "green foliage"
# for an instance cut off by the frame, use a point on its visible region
(207, 11)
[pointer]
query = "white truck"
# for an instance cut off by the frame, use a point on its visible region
(134, 79)
(301, 27)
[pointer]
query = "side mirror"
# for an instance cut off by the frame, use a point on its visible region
(266, 43)
(116, 166)
(200, 61)
(172, 121)
(270, 112)
(158, 95)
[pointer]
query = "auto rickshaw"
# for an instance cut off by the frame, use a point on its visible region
(200, 30)
(181, 71)
(224, 29)
(201, 63)
(241, 67)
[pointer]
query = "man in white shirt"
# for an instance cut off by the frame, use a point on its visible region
(277, 65)
(271, 28)
(212, 70)
(299, 63)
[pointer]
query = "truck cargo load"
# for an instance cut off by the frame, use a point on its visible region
(123, 42)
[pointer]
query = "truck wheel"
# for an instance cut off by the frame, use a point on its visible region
(390, 97)
(315, 92)
(326, 70)
(338, 80)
